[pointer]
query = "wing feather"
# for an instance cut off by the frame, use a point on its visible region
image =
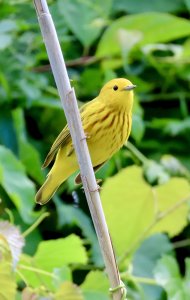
(63, 138)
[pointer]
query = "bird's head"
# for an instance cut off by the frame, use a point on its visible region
(118, 93)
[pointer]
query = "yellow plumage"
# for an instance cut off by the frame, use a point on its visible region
(107, 124)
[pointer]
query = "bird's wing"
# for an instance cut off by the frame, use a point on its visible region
(64, 138)
(83, 109)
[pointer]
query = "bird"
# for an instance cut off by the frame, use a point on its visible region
(106, 120)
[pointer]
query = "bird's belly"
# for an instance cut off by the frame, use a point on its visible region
(103, 148)
(104, 144)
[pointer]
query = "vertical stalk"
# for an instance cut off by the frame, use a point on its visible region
(69, 103)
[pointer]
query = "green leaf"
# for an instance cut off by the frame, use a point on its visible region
(7, 25)
(35, 294)
(19, 188)
(33, 278)
(52, 255)
(89, 86)
(68, 214)
(170, 195)
(7, 136)
(150, 25)
(130, 203)
(187, 2)
(124, 197)
(127, 40)
(7, 282)
(85, 18)
(56, 253)
(166, 270)
(167, 275)
(155, 173)
(27, 153)
(5, 41)
(187, 276)
(173, 166)
(68, 291)
(176, 127)
(61, 274)
(136, 6)
(143, 264)
(27, 87)
(96, 286)
(138, 127)
(187, 268)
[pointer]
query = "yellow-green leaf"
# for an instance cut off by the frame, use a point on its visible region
(128, 205)
(86, 18)
(56, 253)
(150, 25)
(131, 207)
(17, 185)
(68, 291)
(170, 195)
(35, 294)
(96, 286)
(7, 282)
(50, 255)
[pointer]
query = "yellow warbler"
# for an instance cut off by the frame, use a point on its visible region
(107, 124)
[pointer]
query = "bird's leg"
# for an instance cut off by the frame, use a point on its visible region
(98, 188)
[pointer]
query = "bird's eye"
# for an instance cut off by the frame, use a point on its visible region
(115, 87)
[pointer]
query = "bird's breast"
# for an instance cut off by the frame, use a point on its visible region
(107, 134)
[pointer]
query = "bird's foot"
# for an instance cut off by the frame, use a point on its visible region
(98, 187)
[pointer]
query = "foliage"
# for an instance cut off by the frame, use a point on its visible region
(145, 189)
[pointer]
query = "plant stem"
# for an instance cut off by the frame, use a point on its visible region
(22, 277)
(181, 244)
(36, 270)
(69, 103)
(36, 223)
(127, 276)
(164, 96)
(80, 61)
(10, 214)
(183, 106)
(136, 152)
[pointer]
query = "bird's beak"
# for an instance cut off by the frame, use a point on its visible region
(129, 87)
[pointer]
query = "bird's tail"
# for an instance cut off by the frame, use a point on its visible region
(57, 175)
(47, 190)
(55, 178)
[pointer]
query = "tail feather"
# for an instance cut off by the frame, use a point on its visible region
(63, 167)
(47, 190)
